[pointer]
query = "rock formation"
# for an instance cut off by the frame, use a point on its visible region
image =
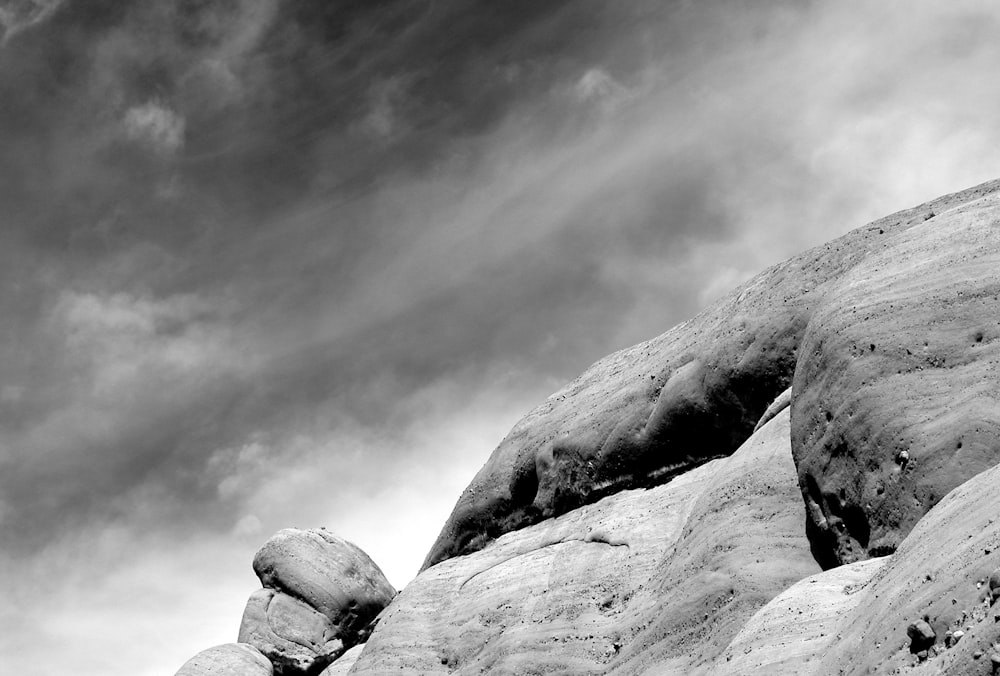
(634, 580)
(902, 356)
(907, 303)
(231, 659)
(320, 595)
(671, 511)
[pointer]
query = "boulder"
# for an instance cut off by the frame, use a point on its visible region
(231, 659)
(320, 596)
(922, 636)
(660, 408)
(658, 578)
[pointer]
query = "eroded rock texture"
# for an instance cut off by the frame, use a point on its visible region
(854, 619)
(649, 578)
(231, 659)
(840, 319)
(897, 388)
(790, 635)
(320, 596)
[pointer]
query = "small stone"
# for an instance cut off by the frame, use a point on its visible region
(922, 655)
(978, 654)
(995, 579)
(957, 636)
(921, 635)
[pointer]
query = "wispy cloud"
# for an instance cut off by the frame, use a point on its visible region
(19, 15)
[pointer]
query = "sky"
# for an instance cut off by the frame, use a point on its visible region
(269, 263)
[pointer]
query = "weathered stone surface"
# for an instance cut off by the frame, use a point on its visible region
(344, 663)
(294, 636)
(231, 659)
(790, 635)
(649, 412)
(658, 578)
(938, 572)
(903, 355)
(320, 596)
(855, 619)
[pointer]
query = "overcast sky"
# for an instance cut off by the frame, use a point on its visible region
(304, 263)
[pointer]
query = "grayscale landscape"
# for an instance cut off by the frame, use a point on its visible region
(468, 337)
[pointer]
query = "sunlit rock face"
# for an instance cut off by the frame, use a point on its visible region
(855, 619)
(320, 596)
(897, 386)
(660, 577)
(231, 659)
(658, 409)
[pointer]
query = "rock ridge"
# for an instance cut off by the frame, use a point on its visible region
(641, 416)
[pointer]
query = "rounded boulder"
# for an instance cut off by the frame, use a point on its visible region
(230, 659)
(320, 596)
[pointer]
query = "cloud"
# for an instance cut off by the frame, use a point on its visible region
(157, 127)
(19, 15)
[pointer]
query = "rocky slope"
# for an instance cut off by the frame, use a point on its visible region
(913, 295)
(612, 586)
(669, 512)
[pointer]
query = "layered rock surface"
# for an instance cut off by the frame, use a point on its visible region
(790, 635)
(320, 595)
(897, 387)
(854, 619)
(662, 578)
(941, 571)
(649, 412)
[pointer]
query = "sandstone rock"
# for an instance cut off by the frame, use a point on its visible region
(849, 620)
(342, 666)
(654, 579)
(950, 539)
(902, 355)
(320, 596)
(783, 401)
(647, 413)
(790, 635)
(231, 659)
(294, 636)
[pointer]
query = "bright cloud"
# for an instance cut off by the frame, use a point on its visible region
(156, 127)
